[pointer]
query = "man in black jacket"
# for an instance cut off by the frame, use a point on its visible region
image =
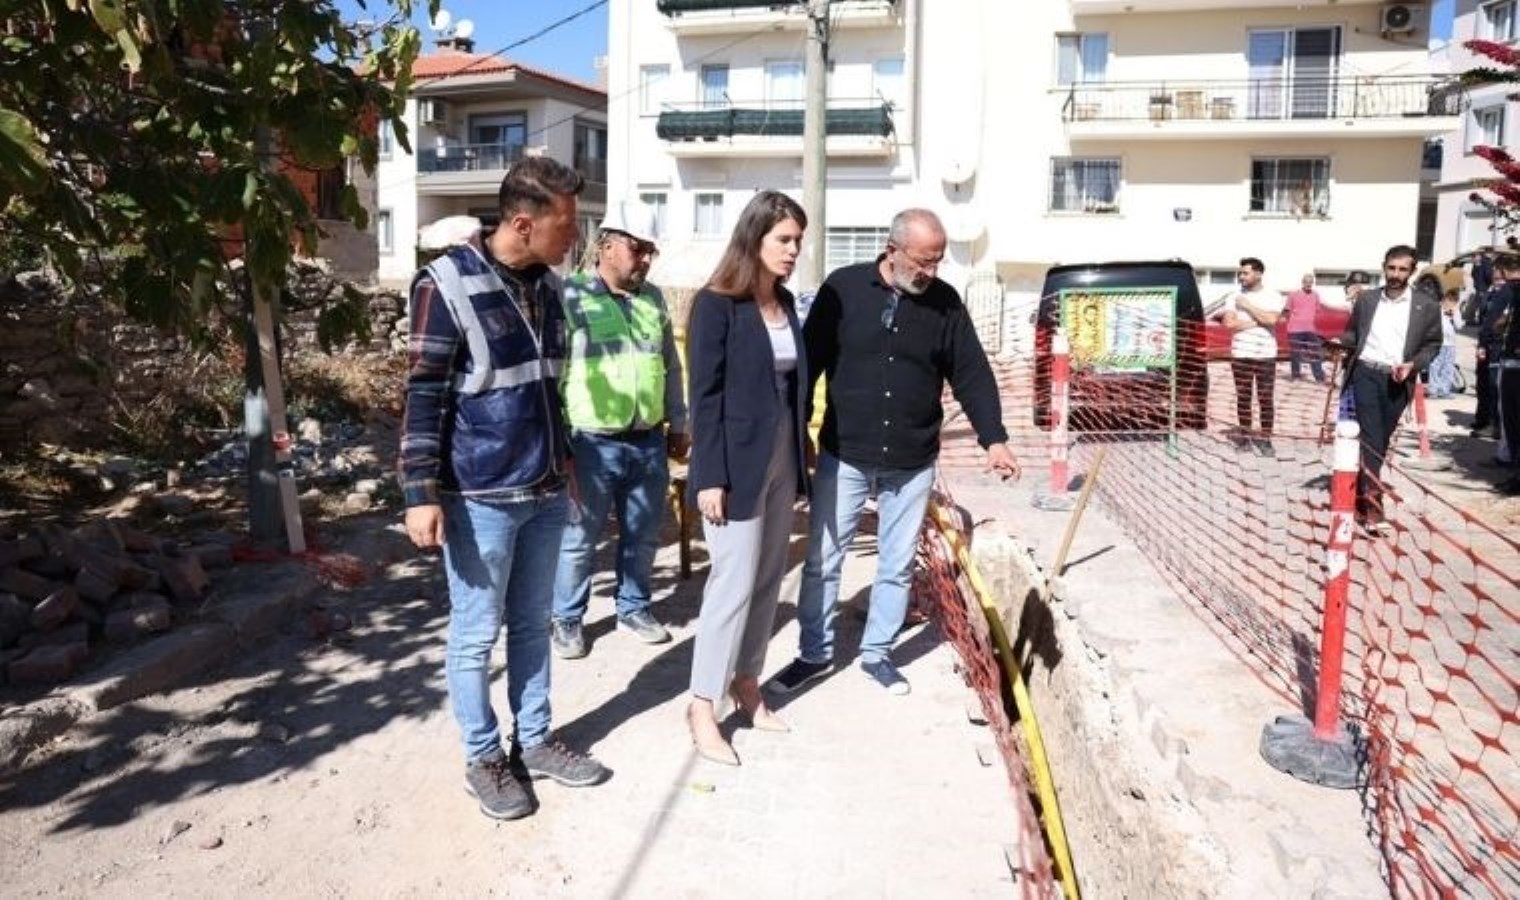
(889, 335)
(1393, 334)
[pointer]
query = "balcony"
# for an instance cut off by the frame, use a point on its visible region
(694, 17)
(1350, 106)
(465, 168)
(1101, 7)
(854, 128)
(595, 172)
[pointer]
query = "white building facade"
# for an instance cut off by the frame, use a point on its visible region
(1488, 119)
(1046, 132)
(470, 117)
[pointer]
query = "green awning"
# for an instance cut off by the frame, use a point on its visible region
(679, 125)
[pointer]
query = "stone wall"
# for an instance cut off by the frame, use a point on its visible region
(69, 370)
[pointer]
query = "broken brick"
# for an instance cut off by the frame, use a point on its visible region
(77, 633)
(48, 664)
(128, 624)
(15, 618)
(183, 577)
(24, 584)
(55, 609)
(12, 552)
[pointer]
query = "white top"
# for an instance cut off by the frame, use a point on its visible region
(1390, 328)
(1259, 341)
(784, 350)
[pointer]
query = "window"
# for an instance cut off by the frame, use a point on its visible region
(1486, 128)
(887, 82)
(784, 85)
(1084, 185)
(1295, 187)
(591, 151)
(709, 220)
(847, 246)
(387, 139)
(1081, 57)
(657, 202)
(330, 184)
(714, 87)
(385, 234)
(652, 88)
(1499, 21)
(1292, 72)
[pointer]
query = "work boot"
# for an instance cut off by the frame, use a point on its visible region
(644, 627)
(490, 781)
(552, 759)
(566, 638)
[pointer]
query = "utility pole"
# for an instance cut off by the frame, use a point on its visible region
(815, 166)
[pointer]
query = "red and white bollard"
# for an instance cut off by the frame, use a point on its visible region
(1323, 751)
(1425, 461)
(1057, 497)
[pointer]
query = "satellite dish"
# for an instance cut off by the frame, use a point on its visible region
(464, 29)
(442, 20)
(963, 224)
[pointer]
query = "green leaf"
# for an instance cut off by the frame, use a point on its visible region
(250, 189)
(23, 167)
(109, 15)
(353, 208)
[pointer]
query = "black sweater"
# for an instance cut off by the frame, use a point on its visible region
(884, 386)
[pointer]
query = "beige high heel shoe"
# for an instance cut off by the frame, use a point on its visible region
(707, 740)
(760, 716)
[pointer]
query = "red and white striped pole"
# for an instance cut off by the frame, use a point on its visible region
(1056, 496)
(1347, 464)
(1323, 751)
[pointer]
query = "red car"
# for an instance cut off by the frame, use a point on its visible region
(1329, 322)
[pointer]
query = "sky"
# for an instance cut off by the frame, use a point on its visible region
(569, 50)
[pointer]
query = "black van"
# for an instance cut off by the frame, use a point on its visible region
(1123, 398)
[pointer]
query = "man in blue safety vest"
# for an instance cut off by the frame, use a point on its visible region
(622, 388)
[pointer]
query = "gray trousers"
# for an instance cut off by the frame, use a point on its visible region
(747, 562)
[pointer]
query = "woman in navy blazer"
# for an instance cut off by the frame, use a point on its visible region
(746, 373)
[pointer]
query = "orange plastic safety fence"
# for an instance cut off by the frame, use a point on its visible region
(941, 590)
(1237, 519)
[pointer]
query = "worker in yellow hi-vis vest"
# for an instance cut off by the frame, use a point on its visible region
(623, 403)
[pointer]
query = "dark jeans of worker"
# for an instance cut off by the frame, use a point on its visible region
(1262, 374)
(1380, 402)
(1509, 407)
(1487, 411)
(1304, 347)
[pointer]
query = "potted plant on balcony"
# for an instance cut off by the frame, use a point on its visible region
(1161, 105)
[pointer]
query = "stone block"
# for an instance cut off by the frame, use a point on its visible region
(77, 633)
(48, 664)
(19, 551)
(100, 534)
(18, 581)
(125, 625)
(153, 666)
(55, 609)
(183, 577)
(212, 556)
(15, 619)
(94, 586)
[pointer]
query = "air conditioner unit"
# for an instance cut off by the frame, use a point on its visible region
(433, 111)
(1401, 18)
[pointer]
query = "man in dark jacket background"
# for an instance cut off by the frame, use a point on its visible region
(889, 335)
(1393, 334)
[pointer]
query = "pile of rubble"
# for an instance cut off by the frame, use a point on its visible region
(63, 592)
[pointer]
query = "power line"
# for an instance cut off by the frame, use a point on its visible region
(547, 29)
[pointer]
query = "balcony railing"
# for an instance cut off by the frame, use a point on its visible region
(1263, 99)
(870, 118)
(469, 158)
(676, 7)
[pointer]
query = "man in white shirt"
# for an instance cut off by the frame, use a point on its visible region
(1251, 316)
(1393, 334)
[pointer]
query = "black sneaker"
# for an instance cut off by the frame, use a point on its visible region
(885, 674)
(501, 795)
(566, 638)
(1264, 447)
(797, 673)
(552, 759)
(644, 627)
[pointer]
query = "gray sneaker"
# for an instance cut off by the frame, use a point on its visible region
(491, 782)
(566, 638)
(644, 627)
(552, 759)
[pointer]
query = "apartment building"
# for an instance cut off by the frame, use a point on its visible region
(470, 117)
(1488, 119)
(1044, 132)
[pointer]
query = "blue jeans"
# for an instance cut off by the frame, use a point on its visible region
(500, 563)
(632, 478)
(1304, 346)
(839, 494)
(1443, 372)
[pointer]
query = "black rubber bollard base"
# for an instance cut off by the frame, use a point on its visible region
(1289, 745)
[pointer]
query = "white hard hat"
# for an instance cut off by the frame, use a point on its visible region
(448, 232)
(632, 217)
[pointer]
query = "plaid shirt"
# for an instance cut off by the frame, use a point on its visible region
(435, 351)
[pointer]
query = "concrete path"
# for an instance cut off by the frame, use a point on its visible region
(332, 768)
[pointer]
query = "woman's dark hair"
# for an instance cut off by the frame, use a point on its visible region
(740, 271)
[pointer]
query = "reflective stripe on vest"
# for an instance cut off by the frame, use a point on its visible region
(458, 290)
(615, 371)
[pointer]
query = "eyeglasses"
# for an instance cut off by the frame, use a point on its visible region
(922, 265)
(638, 247)
(889, 312)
